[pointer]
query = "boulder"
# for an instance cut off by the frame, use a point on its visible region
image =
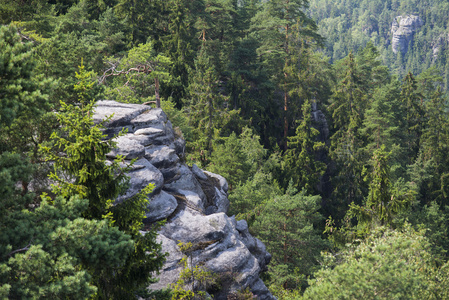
(119, 114)
(161, 206)
(186, 181)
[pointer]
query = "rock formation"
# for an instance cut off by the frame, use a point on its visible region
(194, 202)
(403, 29)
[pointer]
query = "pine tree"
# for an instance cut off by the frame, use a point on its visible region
(434, 147)
(179, 48)
(143, 67)
(46, 246)
(277, 26)
(141, 16)
(383, 125)
(388, 264)
(286, 226)
(18, 91)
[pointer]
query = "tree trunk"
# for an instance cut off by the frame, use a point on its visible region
(156, 92)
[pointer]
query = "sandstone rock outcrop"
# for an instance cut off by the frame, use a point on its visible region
(403, 29)
(194, 202)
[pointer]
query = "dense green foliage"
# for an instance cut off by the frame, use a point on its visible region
(277, 96)
(387, 265)
(348, 25)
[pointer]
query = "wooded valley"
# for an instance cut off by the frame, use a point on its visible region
(329, 120)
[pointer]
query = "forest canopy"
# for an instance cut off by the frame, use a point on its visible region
(335, 147)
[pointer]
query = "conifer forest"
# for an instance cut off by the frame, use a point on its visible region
(329, 120)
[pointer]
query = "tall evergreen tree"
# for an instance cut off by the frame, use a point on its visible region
(412, 102)
(46, 246)
(141, 16)
(383, 202)
(348, 104)
(206, 105)
(178, 46)
(383, 125)
(434, 149)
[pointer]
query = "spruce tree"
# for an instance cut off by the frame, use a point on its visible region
(83, 171)
(385, 200)
(348, 104)
(383, 125)
(206, 106)
(434, 147)
(412, 102)
(46, 246)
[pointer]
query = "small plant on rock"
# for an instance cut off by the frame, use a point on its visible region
(194, 279)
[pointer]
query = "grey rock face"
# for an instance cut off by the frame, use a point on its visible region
(403, 29)
(161, 156)
(140, 176)
(193, 201)
(161, 206)
(127, 147)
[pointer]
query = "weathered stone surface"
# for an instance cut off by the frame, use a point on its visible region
(438, 44)
(255, 246)
(403, 29)
(170, 271)
(193, 201)
(150, 132)
(320, 122)
(161, 206)
(121, 113)
(127, 147)
(144, 174)
(154, 116)
(161, 156)
(172, 173)
(222, 181)
(220, 203)
(180, 146)
(186, 182)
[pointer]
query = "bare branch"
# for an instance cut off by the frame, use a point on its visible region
(112, 71)
(20, 250)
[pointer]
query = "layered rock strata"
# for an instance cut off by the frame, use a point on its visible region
(194, 202)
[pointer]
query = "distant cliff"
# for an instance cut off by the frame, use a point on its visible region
(403, 29)
(193, 202)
